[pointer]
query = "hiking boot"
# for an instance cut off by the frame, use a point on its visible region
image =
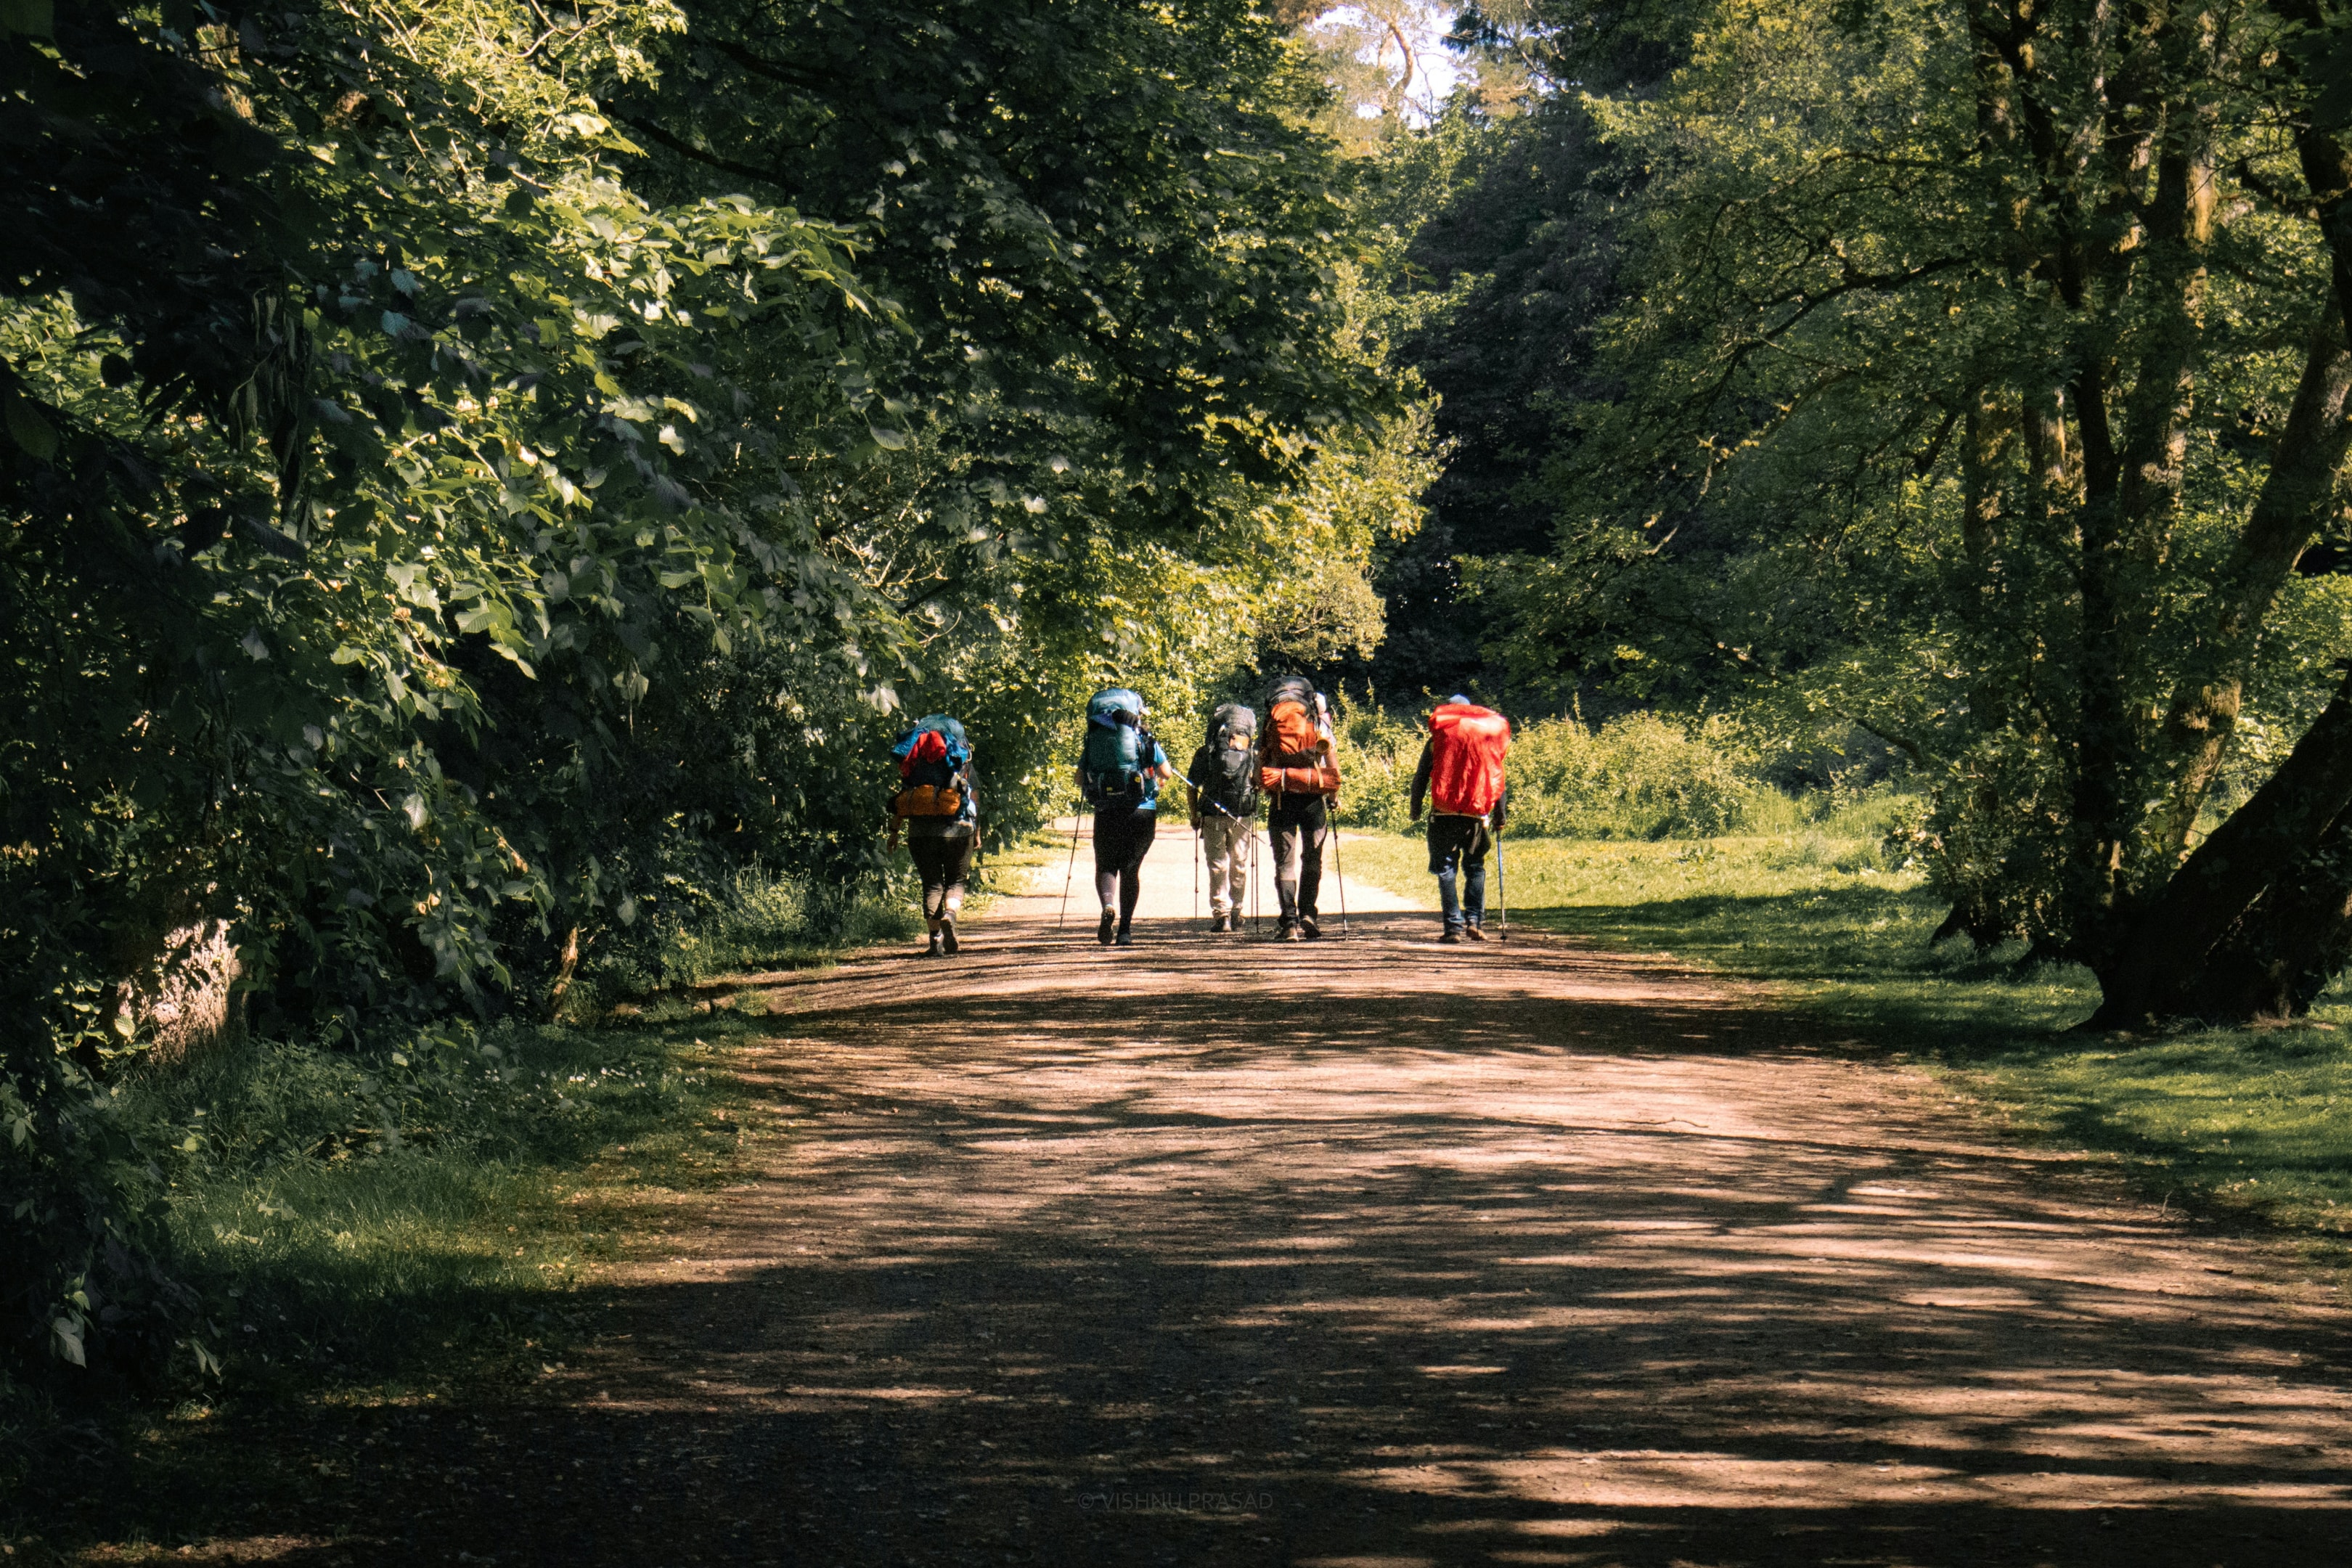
(1308, 929)
(935, 948)
(1222, 923)
(1110, 926)
(1125, 939)
(1473, 933)
(1450, 935)
(1286, 932)
(948, 939)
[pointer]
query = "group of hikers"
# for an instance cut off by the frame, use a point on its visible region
(1290, 768)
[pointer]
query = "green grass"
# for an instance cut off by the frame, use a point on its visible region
(2252, 1124)
(445, 1208)
(366, 1233)
(750, 921)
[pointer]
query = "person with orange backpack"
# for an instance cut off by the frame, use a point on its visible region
(1298, 769)
(939, 809)
(1461, 772)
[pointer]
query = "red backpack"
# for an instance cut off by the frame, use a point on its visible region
(1465, 773)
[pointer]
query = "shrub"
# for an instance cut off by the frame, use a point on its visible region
(750, 918)
(1637, 776)
(1378, 752)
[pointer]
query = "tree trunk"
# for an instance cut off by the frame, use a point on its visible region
(2289, 946)
(564, 973)
(2287, 516)
(2165, 960)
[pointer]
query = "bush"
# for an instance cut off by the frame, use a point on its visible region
(743, 919)
(1637, 776)
(1378, 752)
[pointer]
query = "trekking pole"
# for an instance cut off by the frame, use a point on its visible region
(1340, 872)
(1254, 877)
(1068, 872)
(1200, 851)
(1502, 890)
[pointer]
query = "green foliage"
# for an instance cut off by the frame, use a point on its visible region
(1905, 417)
(498, 434)
(374, 1229)
(1636, 776)
(1639, 776)
(469, 505)
(1378, 751)
(688, 935)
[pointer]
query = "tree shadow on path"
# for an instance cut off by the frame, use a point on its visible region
(1376, 1253)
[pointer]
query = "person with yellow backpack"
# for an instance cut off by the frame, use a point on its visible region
(1298, 769)
(1461, 772)
(939, 809)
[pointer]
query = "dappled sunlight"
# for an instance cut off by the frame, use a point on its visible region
(1391, 1254)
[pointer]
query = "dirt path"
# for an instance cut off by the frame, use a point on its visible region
(1373, 1252)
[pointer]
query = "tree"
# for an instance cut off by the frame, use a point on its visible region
(1986, 384)
(461, 504)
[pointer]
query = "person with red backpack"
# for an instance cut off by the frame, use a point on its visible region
(1298, 769)
(939, 809)
(1461, 772)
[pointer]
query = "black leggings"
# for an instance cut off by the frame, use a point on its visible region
(942, 864)
(1122, 839)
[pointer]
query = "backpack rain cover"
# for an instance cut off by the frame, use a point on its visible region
(1467, 744)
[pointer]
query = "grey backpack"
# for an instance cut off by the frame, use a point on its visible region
(1232, 785)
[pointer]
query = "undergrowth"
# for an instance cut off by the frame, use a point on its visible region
(375, 1220)
(751, 920)
(1639, 777)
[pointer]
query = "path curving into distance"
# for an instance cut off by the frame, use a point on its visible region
(1373, 1252)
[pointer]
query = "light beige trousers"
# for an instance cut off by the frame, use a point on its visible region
(1227, 844)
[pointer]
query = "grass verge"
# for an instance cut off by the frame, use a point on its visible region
(398, 1227)
(445, 1237)
(2254, 1124)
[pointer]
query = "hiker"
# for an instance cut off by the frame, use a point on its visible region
(1299, 771)
(1223, 787)
(1461, 772)
(1119, 770)
(939, 809)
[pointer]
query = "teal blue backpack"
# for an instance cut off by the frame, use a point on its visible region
(1118, 748)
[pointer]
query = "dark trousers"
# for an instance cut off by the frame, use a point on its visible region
(943, 864)
(1298, 824)
(1457, 855)
(1122, 839)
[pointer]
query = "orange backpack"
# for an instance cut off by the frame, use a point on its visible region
(1465, 773)
(1295, 754)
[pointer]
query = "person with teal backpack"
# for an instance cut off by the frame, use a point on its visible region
(1119, 770)
(939, 809)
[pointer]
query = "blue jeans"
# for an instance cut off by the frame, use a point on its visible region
(1457, 854)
